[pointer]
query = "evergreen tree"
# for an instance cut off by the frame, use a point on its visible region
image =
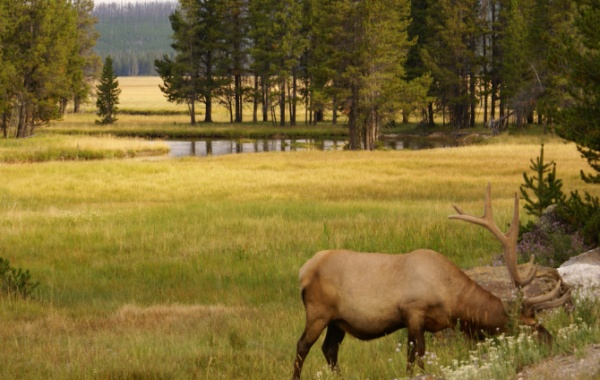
(546, 187)
(38, 39)
(182, 75)
(178, 86)
(450, 53)
(234, 16)
(551, 29)
(108, 92)
(200, 42)
(580, 122)
(6, 70)
(360, 51)
(419, 32)
(277, 45)
(84, 63)
(520, 86)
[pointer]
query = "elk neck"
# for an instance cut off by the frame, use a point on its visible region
(480, 310)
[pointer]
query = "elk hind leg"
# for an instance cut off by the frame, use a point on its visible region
(311, 333)
(331, 345)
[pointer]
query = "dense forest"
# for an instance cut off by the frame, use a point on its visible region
(46, 61)
(134, 34)
(447, 61)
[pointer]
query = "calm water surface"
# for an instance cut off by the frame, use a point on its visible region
(219, 147)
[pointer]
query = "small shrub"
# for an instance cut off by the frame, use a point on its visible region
(15, 281)
(546, 187)
(552, 244)
(572, 226)
(583, 215)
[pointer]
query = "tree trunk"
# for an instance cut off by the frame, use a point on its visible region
(208, 115)
(208, 95)
(334, 116)
(353, 121)
(76, 104)
(255, 101)
(238, 98)
(495, 53)
(5, 125)
(472, 94)
(282, 90)
(371, 127)
(266, 104)
(430, 116)
(22, 124)
(484, 82)
(192, 109)
(294, 99)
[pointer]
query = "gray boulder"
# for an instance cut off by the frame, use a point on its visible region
(583, 273)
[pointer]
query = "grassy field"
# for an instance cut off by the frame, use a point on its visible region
(145, 112)
(187, 268)
(142, 95)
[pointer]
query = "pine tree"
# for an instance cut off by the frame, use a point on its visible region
(580, 122)
(108, 92)
(84, 64)
(37, 43)
(181, 75)
(520, 86)
(359, 54)
(450, 53)
(544, 185)
(277, 45)
(552, 26)
(235, 14)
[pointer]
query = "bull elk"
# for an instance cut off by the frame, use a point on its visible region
(369, 295)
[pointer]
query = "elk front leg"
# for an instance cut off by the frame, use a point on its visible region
(416, 345)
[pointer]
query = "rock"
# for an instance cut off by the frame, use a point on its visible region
(549, 218)
(497, 281)
(590, 257)
(583, 273)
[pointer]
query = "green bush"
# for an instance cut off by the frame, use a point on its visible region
(546, 187)
(15, 281)
(583, 215)
(572, 226)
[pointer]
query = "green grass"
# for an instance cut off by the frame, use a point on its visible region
(188, 268)
(169, 126)
(46, 147)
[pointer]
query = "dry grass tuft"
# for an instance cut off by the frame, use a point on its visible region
(170, 313)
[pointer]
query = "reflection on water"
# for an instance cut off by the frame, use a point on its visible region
(219, 147)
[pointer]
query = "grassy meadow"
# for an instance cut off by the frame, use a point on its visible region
(187, 268)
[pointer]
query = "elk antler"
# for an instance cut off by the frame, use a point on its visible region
(508, 240)
(545, 301)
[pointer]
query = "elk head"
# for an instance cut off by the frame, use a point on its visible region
(509, 240)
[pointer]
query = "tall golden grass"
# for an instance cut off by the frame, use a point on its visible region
(143, 94)
(82, 147)
(187, 268)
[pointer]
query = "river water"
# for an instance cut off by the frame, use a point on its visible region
(219, 147)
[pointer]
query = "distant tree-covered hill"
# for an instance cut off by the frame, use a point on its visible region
(134, 35)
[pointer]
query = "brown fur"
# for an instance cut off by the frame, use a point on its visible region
(369, 295)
